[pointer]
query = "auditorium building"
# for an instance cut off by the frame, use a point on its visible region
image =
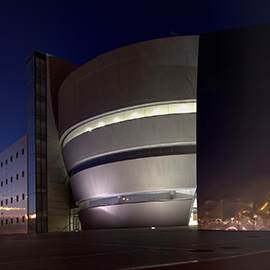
(110, 144)
(137, 136)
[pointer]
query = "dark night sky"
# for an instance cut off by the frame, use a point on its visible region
(78, 31)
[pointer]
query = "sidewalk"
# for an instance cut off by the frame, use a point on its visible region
(160, 248)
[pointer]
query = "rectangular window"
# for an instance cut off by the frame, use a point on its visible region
(17, 176)
(6, 161)
(10, 158)
(2, 222)
(11, 200)
(11, 220)
(6, 201)
(1, 164)
(11, 179)
(23, 219)
(23, 196)
(1, 203)
(6, 181)
(1, 183)
(22, 173)
(17, 155)
(6, 221)
(17, 219)
(22, 151)
(17, 198)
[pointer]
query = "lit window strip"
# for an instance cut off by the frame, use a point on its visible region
(130, 114)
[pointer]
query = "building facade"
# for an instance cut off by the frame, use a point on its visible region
(13, 188)
(233, 129)
(127, 125)
(110, 144)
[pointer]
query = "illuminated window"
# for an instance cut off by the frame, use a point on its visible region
(148, 110)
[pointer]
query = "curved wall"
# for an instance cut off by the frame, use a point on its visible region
(162, 71)
(146, 72)
(178, 129)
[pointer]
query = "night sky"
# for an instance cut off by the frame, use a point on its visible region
(78, 31)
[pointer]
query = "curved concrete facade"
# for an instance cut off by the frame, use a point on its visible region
(140, 171)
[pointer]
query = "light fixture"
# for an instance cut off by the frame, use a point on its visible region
(135, 115)
(116, 120)
(101, 124)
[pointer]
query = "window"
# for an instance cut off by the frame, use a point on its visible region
(10, 158)
(1, 183)
(1, 203)
(6, 161)
(17, 198)
(6, 181)
(17, 155)
(11, 179)
(23, 219)
(17, 219)
(22, 173)
(2, 222)
(22, 151)
(6, 201)
(11, 220)
(17, 176)
(6, 221)
(11, 200)
(1, 164)
(23, 196)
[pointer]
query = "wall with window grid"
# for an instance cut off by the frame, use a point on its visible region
(13, 188)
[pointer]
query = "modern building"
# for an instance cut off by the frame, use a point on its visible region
(110, 144)
(233, 129)
(13, 188)
(127, 126)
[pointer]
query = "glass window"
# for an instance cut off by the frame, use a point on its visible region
(1, 164)
(17, 219)
(23, 219)
(6, 221)
(23, 196)
(22, 151)
(11, 159)
(17, 155)
(17, 198)
(22, 173)
(2, 222)
(6, 161)
(6, 181)
(6, 201)
(17, 176)
(11, 179)
(11, 200)
(1, 203)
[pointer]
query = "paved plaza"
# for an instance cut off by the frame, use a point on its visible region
(159, 248)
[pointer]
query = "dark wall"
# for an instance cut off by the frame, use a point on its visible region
(233, 128)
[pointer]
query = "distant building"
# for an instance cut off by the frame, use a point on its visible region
(111, 143)
(13, 188)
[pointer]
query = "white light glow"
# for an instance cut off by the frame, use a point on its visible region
(135, 115)
(101, 124)
(183, 109)
(157, 112)
(188, 106)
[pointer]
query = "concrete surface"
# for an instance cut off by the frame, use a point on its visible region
(160, 248)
